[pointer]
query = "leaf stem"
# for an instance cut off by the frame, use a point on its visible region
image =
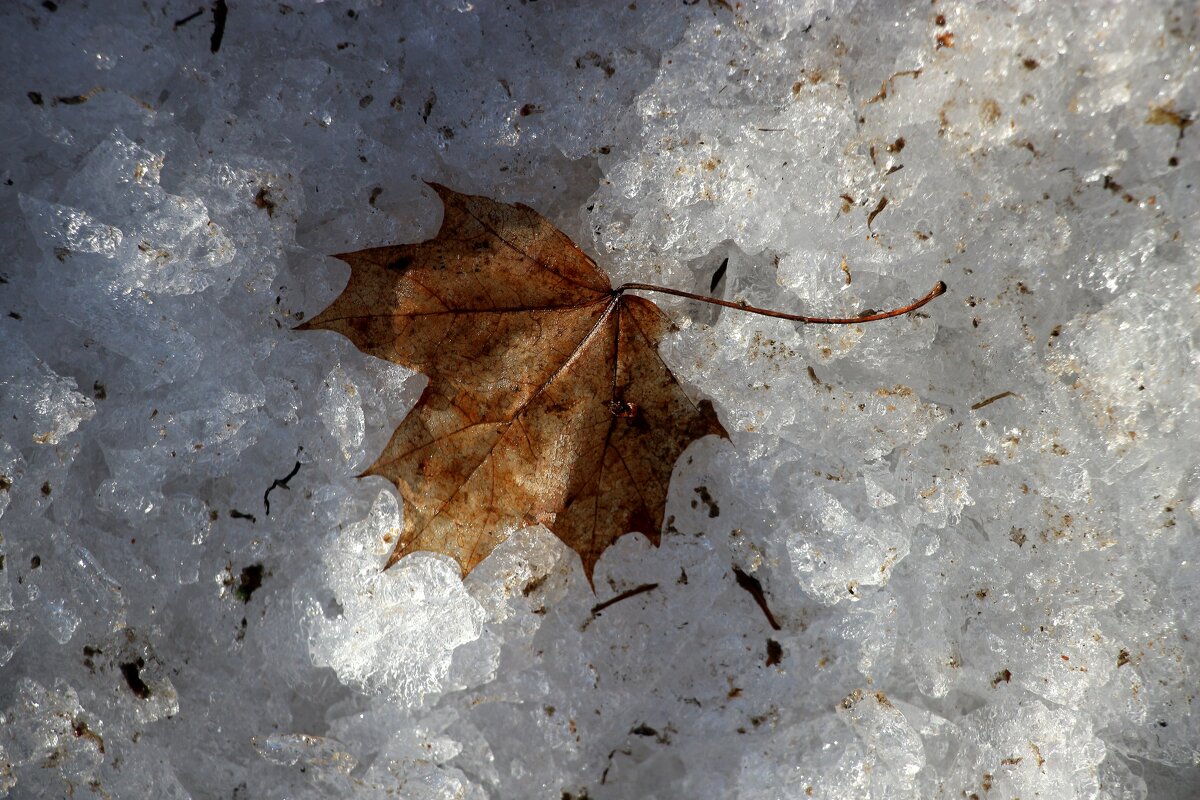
(938, 290)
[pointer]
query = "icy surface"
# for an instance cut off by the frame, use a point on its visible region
(951, 555)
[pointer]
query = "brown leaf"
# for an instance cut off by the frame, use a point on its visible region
(547, 399)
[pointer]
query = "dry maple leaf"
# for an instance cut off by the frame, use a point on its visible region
(547, 399)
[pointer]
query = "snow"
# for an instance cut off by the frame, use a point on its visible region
(973, 526)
